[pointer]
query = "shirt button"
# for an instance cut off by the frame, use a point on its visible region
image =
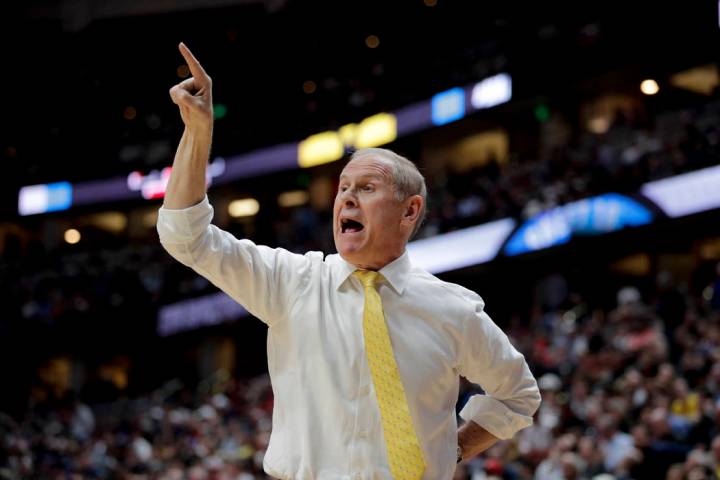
(363, 434)
(364, 390)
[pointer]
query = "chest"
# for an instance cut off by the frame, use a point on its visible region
(329, 336)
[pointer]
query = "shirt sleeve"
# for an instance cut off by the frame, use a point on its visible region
(511, 392)
(264, 280)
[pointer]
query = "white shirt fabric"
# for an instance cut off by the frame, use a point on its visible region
(326, 421)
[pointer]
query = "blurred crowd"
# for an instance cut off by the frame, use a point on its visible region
(629, 393)
(174, 434)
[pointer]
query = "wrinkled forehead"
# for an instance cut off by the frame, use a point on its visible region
(368, 165)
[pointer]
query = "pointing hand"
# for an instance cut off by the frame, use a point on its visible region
(193, 95)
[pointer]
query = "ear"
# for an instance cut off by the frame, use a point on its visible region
(413, 207)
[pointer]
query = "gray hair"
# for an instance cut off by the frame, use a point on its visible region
(407, 178)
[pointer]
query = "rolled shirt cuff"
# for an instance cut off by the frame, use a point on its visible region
(179, 226)
(494, 416)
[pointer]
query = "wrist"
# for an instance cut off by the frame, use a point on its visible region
(199, 129)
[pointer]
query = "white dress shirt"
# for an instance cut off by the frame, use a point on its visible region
(326, 421)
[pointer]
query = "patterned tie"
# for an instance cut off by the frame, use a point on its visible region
(404, 454)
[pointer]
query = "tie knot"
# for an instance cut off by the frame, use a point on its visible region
(368, 278)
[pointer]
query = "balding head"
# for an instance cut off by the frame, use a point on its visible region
(407, 178)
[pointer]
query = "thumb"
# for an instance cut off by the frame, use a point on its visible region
(181, 96)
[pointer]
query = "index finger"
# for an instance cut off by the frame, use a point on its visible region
(197, 71)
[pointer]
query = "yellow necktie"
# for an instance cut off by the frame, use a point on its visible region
(404, 453)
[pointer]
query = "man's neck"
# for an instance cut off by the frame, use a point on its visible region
(376, 266)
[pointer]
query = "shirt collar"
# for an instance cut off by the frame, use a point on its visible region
(396, 272)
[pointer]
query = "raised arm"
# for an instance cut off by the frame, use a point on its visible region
(264, 280)
(193, 97)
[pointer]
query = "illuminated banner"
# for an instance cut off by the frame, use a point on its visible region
(327, 147)
(592, 216)
(452, 105)
(324, 147)
(687, 193)
(152, 185)
(462, 248)
(50, 197)
(448, 106)
(198, 312)
(492, 91)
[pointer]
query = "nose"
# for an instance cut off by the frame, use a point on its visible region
(348, 198)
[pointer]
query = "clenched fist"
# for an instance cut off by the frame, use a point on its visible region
(194, 95)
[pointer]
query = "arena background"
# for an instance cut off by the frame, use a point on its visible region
(571, 153)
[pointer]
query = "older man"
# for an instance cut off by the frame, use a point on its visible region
(364, 350)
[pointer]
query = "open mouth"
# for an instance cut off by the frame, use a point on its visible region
(350, 226)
